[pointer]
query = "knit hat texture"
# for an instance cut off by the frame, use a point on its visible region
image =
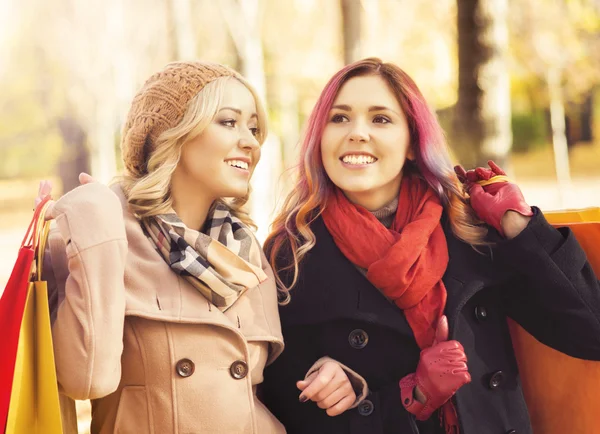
(160, 105)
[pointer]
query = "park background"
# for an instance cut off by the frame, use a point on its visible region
(513, 80)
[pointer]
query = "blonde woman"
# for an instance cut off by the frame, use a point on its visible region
(167, 309)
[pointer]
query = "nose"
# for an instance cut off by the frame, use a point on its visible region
(359, 133)
(248, 142)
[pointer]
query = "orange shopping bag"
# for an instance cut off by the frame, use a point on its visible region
(562, 393)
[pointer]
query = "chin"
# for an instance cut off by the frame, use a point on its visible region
(236, 192)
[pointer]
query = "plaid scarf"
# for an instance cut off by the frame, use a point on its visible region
(221, 265)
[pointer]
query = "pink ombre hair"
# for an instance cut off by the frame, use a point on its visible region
(291, 236)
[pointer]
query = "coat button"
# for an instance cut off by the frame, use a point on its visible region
(238, 369)
(358, 339)
(365, 408)
(481, 313)
(185, 368)
(496, 379)
(511, 431)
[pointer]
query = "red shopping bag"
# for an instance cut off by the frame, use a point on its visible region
(12, 305)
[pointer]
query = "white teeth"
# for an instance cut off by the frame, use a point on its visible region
(358, 159)
(238, 163)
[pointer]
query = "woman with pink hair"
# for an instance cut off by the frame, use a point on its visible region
(402, 272)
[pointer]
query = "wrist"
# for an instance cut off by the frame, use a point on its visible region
(513, 223)
(419, 396)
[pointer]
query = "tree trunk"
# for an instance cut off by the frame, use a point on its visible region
(75, 157)
(351, 26)
(559, 137)
(587, 112)
(482, 121)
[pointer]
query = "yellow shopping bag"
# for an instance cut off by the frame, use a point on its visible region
(34, 402)
(562, 392)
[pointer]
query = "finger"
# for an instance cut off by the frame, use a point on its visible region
(441, 332)
(461, 173)
(339, 380)
(336, 396)
(319, 383)
(495, 168)
(84, 178)
(341, 406)
(45, 188)
(472, 176)
(483, 174)
(303, 384)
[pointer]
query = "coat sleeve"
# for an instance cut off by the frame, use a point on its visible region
(556, 296)
(279, 392)
(359, 384)
(88, 250)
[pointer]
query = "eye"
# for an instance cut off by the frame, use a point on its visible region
(255, 131)
(380, 119)
(338, 119)
(228, 123)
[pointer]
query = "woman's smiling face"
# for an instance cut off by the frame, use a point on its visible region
(366, 142)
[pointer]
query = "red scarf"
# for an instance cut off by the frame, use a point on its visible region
(407, 261)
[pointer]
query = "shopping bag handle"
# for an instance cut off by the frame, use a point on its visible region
(42, 239)
(30, 236)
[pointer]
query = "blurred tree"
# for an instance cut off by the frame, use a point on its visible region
(352, 11)
(182, 41)
(555, 52)
(243, 18)
(482, 113)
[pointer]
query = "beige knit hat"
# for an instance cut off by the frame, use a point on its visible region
(160, 105)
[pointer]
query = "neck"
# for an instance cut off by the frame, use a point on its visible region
(374, 200)
(189, 203)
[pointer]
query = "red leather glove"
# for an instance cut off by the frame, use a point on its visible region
(441, 371)
(491, 201)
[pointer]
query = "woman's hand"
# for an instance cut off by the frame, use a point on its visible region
(441, 371)
(330, 388)
(496, 201)
(45, 190)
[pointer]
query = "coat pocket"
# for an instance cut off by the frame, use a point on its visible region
(132, 414)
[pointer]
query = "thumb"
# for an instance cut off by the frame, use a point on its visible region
(303, 384)
(84, 178)
(441, 333)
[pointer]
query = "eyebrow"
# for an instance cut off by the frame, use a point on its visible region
(374, 108)
(238, 111)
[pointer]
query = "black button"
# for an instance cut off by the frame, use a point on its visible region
(512, 431)
(185, 368)
(365, 408)
(238, 369)
(481, 313)
(496, 379)
(358, 339)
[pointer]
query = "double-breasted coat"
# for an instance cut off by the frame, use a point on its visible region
(540, 279)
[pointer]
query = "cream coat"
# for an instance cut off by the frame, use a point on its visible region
(128, 330)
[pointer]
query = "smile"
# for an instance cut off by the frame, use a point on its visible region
(358, 159)
(238, 164)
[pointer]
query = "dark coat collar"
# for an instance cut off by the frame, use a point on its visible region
(330, 287)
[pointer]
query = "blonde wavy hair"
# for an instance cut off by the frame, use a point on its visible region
(150, 195)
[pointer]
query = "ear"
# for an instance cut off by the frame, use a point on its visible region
(410, 154)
